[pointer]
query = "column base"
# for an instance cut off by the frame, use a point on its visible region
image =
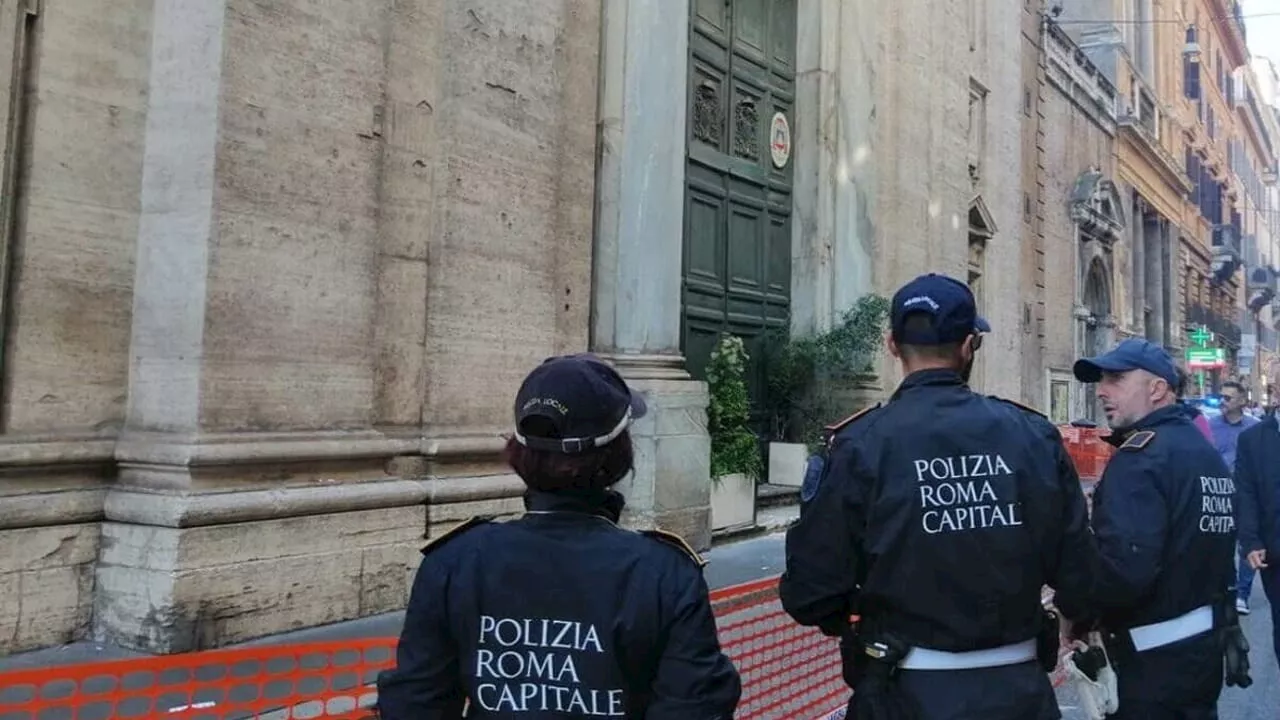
(671, 486)
(184, 571)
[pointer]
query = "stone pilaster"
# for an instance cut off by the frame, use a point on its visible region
(833, 230)
(1153, 231)
(637, 261)
(1139, 264)
(252, 493)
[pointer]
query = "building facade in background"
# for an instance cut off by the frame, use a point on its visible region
(1195, 164)
(1085, 230)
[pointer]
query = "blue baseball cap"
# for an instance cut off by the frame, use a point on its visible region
(1131, 354)
(584, 400)
(947, 301)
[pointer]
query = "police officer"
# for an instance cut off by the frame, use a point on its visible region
(562, 613)
(938, 519)
(1163, 516)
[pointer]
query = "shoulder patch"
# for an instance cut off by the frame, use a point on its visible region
(439, 540)
(838, 426)
(676, 542)
(1019, 405)
(1137, 440)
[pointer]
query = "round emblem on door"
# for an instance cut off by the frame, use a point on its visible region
(780, 140)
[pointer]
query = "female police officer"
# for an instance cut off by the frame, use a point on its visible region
(561, 613)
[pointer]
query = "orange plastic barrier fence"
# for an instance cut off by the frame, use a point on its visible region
(1088, 450)
(788, 673)
(284, 681)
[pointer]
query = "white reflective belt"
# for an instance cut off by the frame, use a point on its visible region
(926, 659)
(1149, 637)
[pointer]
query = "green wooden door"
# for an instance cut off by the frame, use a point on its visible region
(737, 233)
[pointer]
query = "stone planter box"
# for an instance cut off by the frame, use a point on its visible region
(733, 502)
(787, 463)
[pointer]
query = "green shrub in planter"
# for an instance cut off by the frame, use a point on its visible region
(734, 447)
(806, 377)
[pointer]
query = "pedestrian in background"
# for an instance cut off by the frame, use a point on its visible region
(937, 520)
(562, 613)
(1193, 412)
(1257, 476)
(1226, 429)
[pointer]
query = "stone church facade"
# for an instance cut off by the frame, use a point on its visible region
(273, 271)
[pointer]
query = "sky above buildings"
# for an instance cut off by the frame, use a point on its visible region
(1262, 21)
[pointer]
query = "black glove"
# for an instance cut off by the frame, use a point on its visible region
(1235, 651)
(1048, 642)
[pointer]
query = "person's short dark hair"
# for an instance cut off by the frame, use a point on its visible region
(1238, 387)
(548, 471)
(1183, 378)
(919, 324)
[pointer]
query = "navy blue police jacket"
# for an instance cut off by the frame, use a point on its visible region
(939, 517)
(1164, 521)
(1257, 476)
(559, 614)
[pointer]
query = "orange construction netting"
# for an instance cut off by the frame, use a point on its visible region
(1088, 450)
(788, 673)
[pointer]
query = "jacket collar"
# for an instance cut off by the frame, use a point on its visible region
(607, 504)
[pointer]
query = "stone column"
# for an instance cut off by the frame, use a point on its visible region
(1138, 229)
(835, 175)
(1169, 281)
(1153, 230)
(252, 494)
(639, 239)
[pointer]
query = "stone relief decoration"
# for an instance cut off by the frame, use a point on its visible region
(746, 142)
(1096, 207)
(706, 114)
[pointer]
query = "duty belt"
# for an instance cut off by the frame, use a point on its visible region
(926, 659)
(1168, 632)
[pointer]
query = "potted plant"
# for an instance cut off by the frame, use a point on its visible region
(735, 449)
(814, 381)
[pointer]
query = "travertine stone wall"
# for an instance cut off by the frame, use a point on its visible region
(356, 226)
(66, 362)
(78, 118)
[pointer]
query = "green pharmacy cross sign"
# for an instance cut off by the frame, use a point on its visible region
(1202, 337)
(1206, 358)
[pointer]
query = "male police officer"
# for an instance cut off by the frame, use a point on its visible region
(938, 519)
(1164, 521)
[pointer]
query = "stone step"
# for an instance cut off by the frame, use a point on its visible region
(768, 496)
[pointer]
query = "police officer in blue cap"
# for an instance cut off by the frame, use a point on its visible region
(1164, 520)
(562, 613)
(937, 521)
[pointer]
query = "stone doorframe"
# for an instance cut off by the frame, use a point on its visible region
(639, 225)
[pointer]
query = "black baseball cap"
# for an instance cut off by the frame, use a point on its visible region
(948, 302)
(1131, 354)
(584, 399)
